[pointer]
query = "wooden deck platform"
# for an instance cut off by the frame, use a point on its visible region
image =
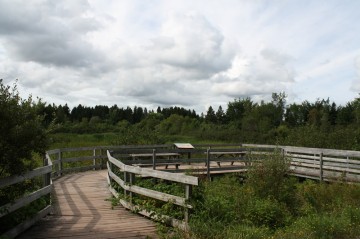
(82, 211)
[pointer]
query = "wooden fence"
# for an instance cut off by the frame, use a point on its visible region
(314, 163)
(8, 208)
(130, 173)
(320, 164)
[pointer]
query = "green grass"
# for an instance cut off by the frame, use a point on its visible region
(68, 140)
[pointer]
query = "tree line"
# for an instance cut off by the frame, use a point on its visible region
(314, 124)
(103, 113)
(243, 112)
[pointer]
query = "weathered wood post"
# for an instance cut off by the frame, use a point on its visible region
(131, 182)
(60, 163)
(321, 167)
(188, 192)
(208, 163)
(126, 180)
(101, 158)
(248, 159)
(154, 159)
(111, 168)
(94, 159)
(47, 177)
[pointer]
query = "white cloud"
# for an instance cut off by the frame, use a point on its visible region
(267, 72)
(356, 82)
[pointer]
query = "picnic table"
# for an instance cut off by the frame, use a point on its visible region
(162, 155)
(233, 154)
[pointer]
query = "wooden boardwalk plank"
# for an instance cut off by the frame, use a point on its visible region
(81, 211)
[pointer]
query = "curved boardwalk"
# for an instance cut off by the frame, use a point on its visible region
(82, 211)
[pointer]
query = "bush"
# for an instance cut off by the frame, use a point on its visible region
(270, 204)
(267, 213)
(21, 132)
(23, 142)
(268, 179)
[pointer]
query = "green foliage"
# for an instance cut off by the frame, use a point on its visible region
(20, 215)
(267, 178)
(132, 135)
(269, 204)
(23, 141)
(21, 132)
(267, 212)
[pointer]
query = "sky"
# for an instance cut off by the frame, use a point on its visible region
(186, 53)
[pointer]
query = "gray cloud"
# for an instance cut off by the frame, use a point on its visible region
(49, 32)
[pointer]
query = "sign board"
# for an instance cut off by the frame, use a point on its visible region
(183, 146)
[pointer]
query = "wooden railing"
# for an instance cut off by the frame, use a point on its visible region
(8, 208)
(130, 173)
(320, 164)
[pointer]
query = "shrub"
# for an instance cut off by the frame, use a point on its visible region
(21, 132)
(268, 213)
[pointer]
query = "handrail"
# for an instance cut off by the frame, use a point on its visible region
(8, 208)
(127, 184)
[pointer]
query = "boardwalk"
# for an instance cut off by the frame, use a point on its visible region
(81, 211)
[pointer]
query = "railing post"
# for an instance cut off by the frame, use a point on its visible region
(208, 163)
(111, 168)
(248, 159)
(131, 182)
(154, 159)
(127, 182)
(101, 159)
(321, 167)
(94, 160)
(60, 164)
(46, 176)
(188, 192)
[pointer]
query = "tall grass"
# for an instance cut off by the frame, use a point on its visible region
(270, 204)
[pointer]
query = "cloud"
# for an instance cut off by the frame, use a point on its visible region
(188, 49)
(262, 74)
(50, 33)
(355, 86)
(191, 42)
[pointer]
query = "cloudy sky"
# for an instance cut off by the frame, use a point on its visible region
(189, 53)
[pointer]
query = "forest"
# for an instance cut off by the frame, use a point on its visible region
(322, 123)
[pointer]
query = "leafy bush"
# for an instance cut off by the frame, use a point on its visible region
(23, 141)
(269, 204)
(21, 132)
(268, 213)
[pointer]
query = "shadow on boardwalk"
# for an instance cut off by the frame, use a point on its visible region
(81, 211)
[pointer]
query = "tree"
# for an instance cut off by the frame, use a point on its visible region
(21, 132)
(220, 115)
(210, 116)
(236, 110)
